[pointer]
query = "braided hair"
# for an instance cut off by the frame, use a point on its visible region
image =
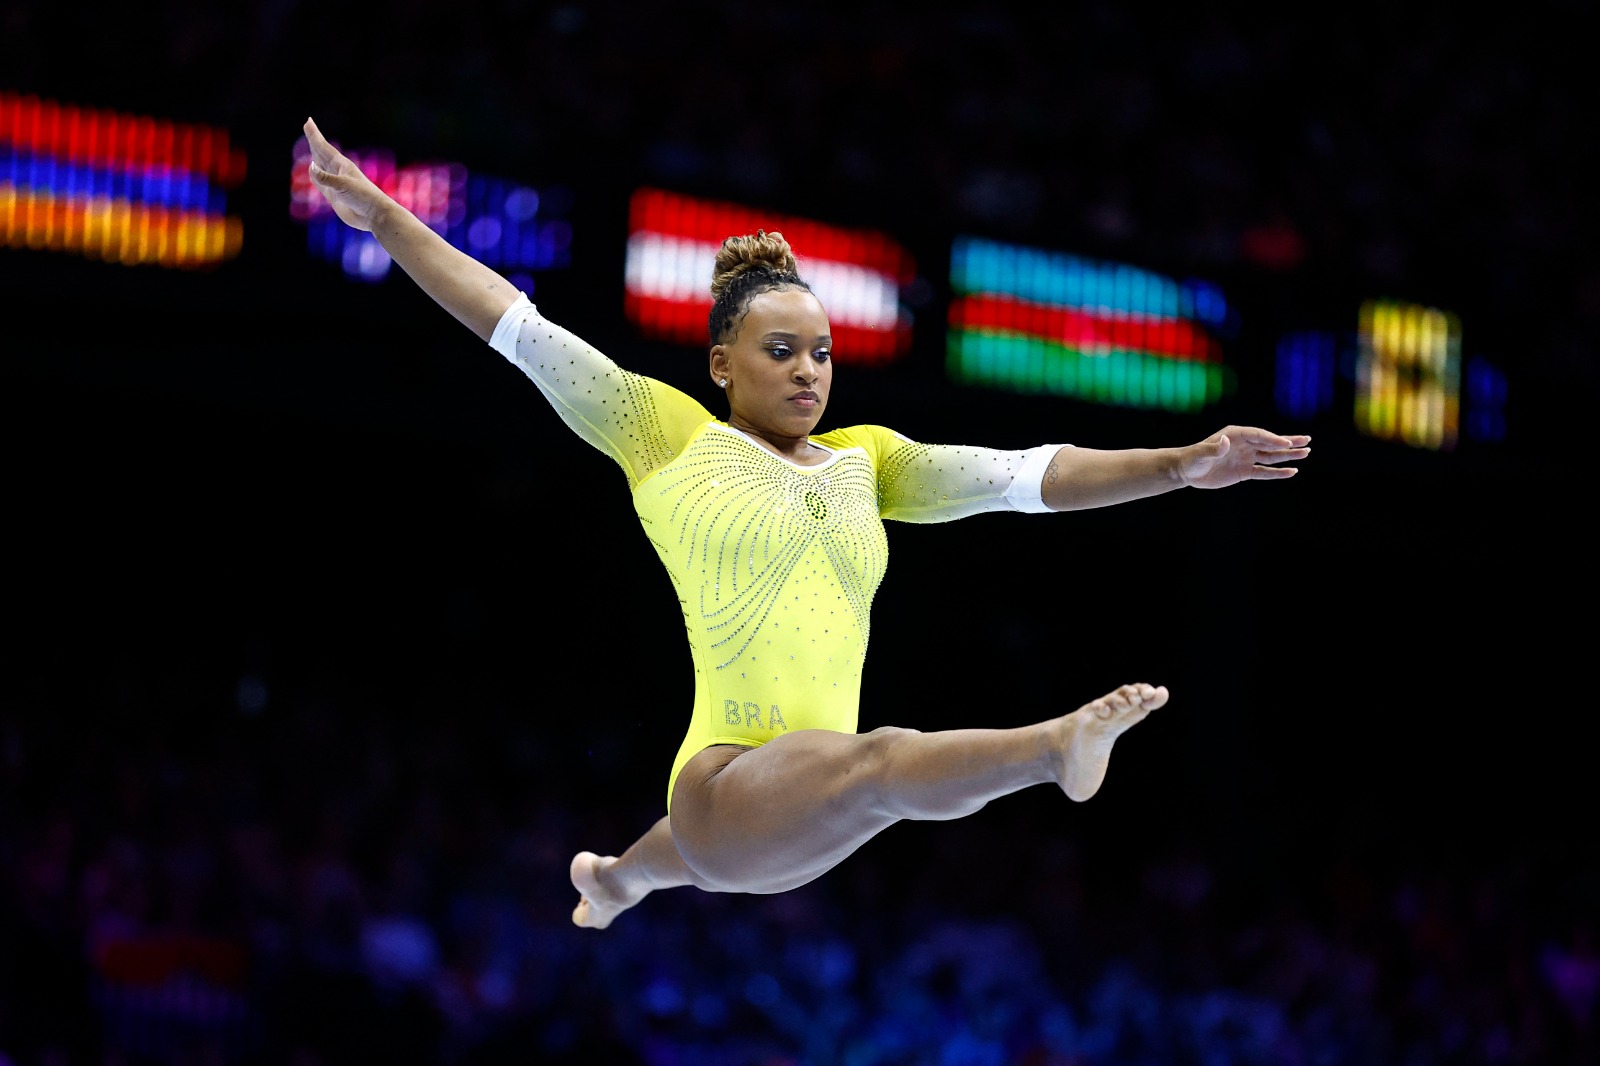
(746, 267)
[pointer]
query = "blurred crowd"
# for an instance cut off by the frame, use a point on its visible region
(315, 876)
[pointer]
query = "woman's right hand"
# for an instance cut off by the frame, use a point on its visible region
(352, 195)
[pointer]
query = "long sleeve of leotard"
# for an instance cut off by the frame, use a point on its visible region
(942, 482)
(640, 422)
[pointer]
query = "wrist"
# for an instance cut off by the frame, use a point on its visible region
(1178, 465)
(384, 210)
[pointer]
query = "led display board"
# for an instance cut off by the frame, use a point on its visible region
(1408, 374)
(122, 188)
(857, 274)
(1031, 320)
(506, 225)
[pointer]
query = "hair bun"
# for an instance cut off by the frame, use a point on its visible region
(760, 250)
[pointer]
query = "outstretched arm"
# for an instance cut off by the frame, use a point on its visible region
(474, 294)
(1078, 478)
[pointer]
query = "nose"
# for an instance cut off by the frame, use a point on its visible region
(805, 370)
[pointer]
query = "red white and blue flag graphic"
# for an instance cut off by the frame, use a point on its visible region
(857, 274)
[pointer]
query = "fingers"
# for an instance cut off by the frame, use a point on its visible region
(314, 137)
(321, 177)
(1263, 447)
(1263, 457)
(1261, 469)
(323, 153)
(1264, 439)
(1260, 439)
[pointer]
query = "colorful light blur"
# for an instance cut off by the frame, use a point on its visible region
(1408, 374)
(129, 189)
(857, 274)
(503, 224)
(1485, 401)
(1031, 320)
(1305, 373)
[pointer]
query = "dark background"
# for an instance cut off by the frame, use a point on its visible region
(321, 620)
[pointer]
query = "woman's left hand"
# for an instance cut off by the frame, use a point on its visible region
(1240, 453)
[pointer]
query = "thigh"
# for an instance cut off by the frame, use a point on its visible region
(771, 818)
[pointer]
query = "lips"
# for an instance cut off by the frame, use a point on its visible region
(806, 399)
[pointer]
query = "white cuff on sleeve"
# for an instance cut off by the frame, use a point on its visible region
(504, 337)
(1027, 488)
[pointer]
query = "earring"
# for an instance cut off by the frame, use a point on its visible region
(723, 383)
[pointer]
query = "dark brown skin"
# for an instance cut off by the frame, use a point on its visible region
(777, 372)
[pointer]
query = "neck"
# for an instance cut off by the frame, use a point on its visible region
(793, 448)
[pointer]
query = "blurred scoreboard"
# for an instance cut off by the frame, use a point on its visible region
(123, 188)
(672, 247)
(135, 189)
(505, 224)
(1035, 320)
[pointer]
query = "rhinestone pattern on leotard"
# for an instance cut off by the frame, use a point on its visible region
(775, 565)
(777, 547)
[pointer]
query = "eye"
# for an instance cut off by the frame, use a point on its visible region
(822, 355)
(779, 351)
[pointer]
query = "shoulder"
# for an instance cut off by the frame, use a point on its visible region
(888, 450)
(875, 440)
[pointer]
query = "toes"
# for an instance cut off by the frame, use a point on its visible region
(1129, 699)
(1120, 701)
(1142, 695)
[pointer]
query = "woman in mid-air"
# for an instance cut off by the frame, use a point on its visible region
(773, 536)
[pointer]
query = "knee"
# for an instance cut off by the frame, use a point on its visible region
(879, 747)
(874, 771)
(886, 736)
(703, 853)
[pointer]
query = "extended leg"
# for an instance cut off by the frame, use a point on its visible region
(609, 885)
(773, 818)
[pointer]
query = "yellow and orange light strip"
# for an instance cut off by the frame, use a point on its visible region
(130, 189)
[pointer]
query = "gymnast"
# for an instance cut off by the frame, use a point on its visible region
(773, 536)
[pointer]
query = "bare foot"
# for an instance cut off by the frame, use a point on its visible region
(596, 906)
(1093, 728)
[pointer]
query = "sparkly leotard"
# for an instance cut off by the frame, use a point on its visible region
(775, 564)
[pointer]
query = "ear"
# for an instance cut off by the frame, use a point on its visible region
(719, 364)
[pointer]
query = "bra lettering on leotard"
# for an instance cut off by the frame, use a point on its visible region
(750, 714)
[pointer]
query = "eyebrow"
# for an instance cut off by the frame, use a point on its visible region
(784, 335)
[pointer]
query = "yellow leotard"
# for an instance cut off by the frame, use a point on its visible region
(775, 564)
